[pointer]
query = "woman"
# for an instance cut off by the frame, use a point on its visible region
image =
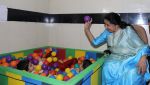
(127, 63)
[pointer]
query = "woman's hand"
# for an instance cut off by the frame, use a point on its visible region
(142, 65)
(87, 25)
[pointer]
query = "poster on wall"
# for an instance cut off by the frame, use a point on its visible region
(3, 13)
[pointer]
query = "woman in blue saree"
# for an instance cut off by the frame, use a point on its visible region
(127, 63)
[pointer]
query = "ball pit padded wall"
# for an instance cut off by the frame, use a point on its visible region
(89, 76)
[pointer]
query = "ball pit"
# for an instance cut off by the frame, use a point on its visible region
(52, 66)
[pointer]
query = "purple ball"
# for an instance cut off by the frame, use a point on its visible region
(46, 72)
(8, 59)
(55, 65)
(29, 58)
(44, 67)
(35, 62)
(87, 18)
(49, 68)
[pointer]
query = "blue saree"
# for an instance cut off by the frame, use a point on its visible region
(120, 67)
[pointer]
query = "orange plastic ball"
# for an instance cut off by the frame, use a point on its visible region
(3, 60)
(5, 64)
(48, 50)
(13, 63)
(82, 58)
(35, 55)
(0, 61)
(79, 62)
(43, 74)
(36, 72)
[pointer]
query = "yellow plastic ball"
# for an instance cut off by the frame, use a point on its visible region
(67, 70)
(59, 77)
(70, 74)
(55, 59)
(70, 57)
(53, 53)
(49, 59)
(57, 69)
(38, 68)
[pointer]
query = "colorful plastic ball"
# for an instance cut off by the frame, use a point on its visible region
(55, 65)
(5, 64)
(53, 53)
(35, 55)
(48, 50)
(57, 69)
(43, 74)
(13, 63)
(36, 72)
(70, 57)
(74, 72)
(64, 73)
(82, 58)
(29, 58)
(55, 59)
(8, 59)
(46, 72)
(3, 60)
(35, 62)
(52, 76)
(66, 78)
(67, 70)
(38, 68)
(59, 72)
(52, 72)
(79, 62)
(70, 75)
(49, 68)
(87, 18)
(49, 59)
(76, 65)
(59, 77)
(44, 67)
(0, 61)
(46, 62)
(40, 54)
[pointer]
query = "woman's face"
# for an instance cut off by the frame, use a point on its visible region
(110, 27)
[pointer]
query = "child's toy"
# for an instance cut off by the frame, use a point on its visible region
(87, 18)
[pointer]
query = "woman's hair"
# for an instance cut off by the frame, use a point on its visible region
(115, 19)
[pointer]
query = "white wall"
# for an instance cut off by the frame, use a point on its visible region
(23, 35)
(72, 35)
(16, 36)
(98, 6)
